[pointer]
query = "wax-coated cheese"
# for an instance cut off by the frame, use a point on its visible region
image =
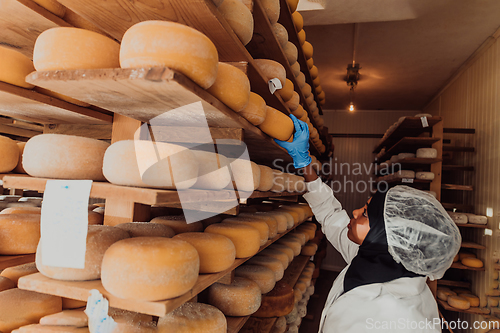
(19, 167)
(246, 174)
(162, 165)
(277, 125)
(293, 103)
(266, 178)
(178, 223)
(231, 87)
(281, 220)
(298, 21)
(9, 153)
(239, 17)
(271, 69)
(291, 53)
(298, 236)
(278, 302)
(320, 95)
(213, 171)
(15, 272)
(14, 66)
(241, 298)
(281, 34)
(255, 111)
(99, 239)
(308, 52)
(261, 275)
(22, 307)
(64, 157)
(307, 90)
(301, 80)
(150, 268)
(272, 10)
(302, 36)
(472, 262)
(246, 239)
(6, 283)
(458, 302)
(76, 318)
(52, 6)
(146, 229)
(193, 318)
(283, 248)
(19, 233)
(477, 219)
(317, 82)
(68, 48)
(174, 45)
(287, 91)
(261, 226)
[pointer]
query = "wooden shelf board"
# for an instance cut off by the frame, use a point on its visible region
(470, 225)
(460, 266)
(147, 196)
(457, 187)
(258, 325)
(473, 310)
(80, 290)
(459, 130)
(146, 94)
(234, 324)
(449, 205)
(408, 145)
(411, 126)
(419, 161)
(9, 261)
(458, 284)
(457, 168)
(459, 149)
(472, 245)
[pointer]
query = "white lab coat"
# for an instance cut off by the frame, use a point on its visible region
(402, 305)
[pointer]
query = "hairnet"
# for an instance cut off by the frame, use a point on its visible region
(420, 234)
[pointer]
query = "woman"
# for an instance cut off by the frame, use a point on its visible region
(391, 245)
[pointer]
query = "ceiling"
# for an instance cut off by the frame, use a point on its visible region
(407, 49)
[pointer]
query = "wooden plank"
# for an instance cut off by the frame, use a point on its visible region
(258, 325)
(96, 131)
(292, 273)
(473, 310)
(436, 167)
(9, 261)
(457, 168)
(472, 245)
(21, 22)
(33, 106)
(460, 266)
(459, 149)
(115, 17)
(147, 93)
(80, 289)
(457, 187)
(458, 284)
(407, 145)
(459, 130)
(184, 134)
(17, 131)
(234, 324)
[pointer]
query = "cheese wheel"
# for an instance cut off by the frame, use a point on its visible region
(52, 6)
(292, 4)
(6, 283)
(493, 301)
(246, 239)
(64, 157)
(255, 111)
(246, 174)
(443, 293)
(287, 91)
(231, 87)
(150, 268)
(15, 272)
(263, 276)
(240, 298)
(295, 68)
(298, 21)
(310, 98)
(424, 175)
(472, 262)
(302, 36)
(458, 302)
(68, 48)
(476, 219)
(316, 83)
(307, 91)
(68, 303)
(272, 10)
(297, 208)
(178, 223)
(426, 153)
(299, 112)
(270, 220)
(301, 79)
(402, 156)
(278, 302)
(174, 45)
(277, 254)
(177, 168)
(99, 239)
(298, 236)
(213, 171)
(463, 255)
(308, 52)
(277, 125)
(313, 70)
(309, 249)
(239, 17)
(19, 233)
(193, 318)
(293, 103)
(271, 69)
(266, 178)
(281, 34)
(473, 299)
(281, 220)
(270, 262)
(294, 244)
(321, 95)
(9, 151)
(76, 318)
(405, 174)
(279, 325)
(261, 226)
(22, 307)
(295, 216)
(283, 248)
(146, 229)
(14, 67)
(291, 53)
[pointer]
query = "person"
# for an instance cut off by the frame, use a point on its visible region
(392, 245)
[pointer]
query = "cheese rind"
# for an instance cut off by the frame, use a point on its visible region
(473, 299)
(278, 302)
(255, 111)
(263, 276)
(246, 239)
(241, 298)
(6, 283)
(213, 171)
(272, 10)
(472, 262)
(287, 91)
(239, 17)
(15, 272)
(458, 302)
(174, 45)
(178, 224)
(266, 178)
(147, 229)
(308, 52)
(298, 21)
(76, 318)
(426, 153)
(246, 174)
(291, 52)
(293, 103)
(19, 233)
(9, 153)
(14, 66)
(271, 69)
(281, 34)
(193, 318)
(231, 87)
(270, 262)
(277, 125)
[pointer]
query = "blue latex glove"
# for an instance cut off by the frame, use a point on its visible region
(298, 149)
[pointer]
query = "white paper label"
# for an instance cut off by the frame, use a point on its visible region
(407, 180)
(64, 222)
(424, 122)
(274, 84)
(97, 312)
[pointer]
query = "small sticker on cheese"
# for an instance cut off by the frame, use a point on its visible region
(274, 84)
(64, 223)
(97, 312)
(407, 180)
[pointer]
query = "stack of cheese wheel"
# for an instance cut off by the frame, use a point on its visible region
(136, 163)
(260, 225)
(240, 298)
(193, 318)
(239, 17)
(270, 220)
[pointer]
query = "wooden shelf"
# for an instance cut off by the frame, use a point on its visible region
(470, 225)
(410, 127)
(471, 245)
(459, 130)
(9, 261)
(457, 284)
(457, 187)
(234, 324)
(407, 145)
(79, 290)
(147, 93)
(459, 149)
(457, 168)
(473, 310)
(460, 266)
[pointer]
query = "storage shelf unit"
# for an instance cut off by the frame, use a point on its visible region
(406, 144)
(460, 266)
(473, 310)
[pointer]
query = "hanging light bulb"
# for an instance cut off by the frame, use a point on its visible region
(351, 95)
(351, 107)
